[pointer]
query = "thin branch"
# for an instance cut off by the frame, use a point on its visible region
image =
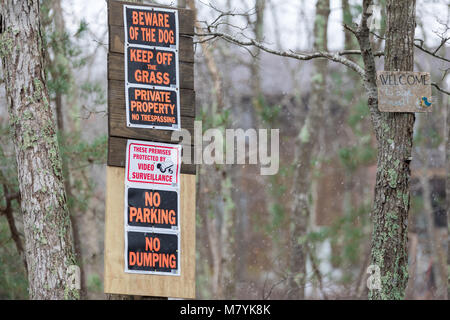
(370, 84)
(347, 27)
(440, 89)
(267, 296)
(316, 271)
(358, 52)
(429, 52)
(8, 212)
(336, 57)
(420, 46)
(443, 41)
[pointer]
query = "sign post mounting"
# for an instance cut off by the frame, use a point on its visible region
(150, 193)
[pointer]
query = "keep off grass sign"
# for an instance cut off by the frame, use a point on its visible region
(401, 91)
(152, 87)
(152, 233)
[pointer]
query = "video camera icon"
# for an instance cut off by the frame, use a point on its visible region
(166, 167)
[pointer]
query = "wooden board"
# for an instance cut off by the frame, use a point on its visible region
(119, 282)
(117, 153)
(402, 91)
(116, 84)
(118, 128)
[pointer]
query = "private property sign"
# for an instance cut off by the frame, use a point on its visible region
(152, 86)
(402, 91)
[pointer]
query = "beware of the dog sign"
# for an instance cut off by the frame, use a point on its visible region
(151, 26)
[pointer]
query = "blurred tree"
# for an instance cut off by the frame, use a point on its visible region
(305, 149)
(217, 209)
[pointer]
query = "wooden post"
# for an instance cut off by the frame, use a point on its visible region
(116, 280)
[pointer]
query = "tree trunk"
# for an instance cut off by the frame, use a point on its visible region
(48, 234)
(447, 192)
(220, 219)
(447, 161)
(439, 269)
(305, 148)
(255, 68)
(395, 137)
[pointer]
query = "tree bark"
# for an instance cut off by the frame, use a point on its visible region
(447, 161)
(305, 150)
(394, 132)
(447, 192)
(48, 232)
(255, 68)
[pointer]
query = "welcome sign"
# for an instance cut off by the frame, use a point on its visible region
(402, 91)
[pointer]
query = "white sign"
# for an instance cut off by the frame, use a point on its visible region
(153, 163)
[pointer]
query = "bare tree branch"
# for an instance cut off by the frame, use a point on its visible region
(440, 89)
(363, 36)
(8, 212)
(420, 46)
(432, 53)
(336, 57)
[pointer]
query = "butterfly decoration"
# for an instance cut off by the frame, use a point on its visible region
(424, 103)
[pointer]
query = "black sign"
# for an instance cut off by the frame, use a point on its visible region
(152, 208)
(151, 27)
(152, 252)
(153, 107)
(152, 67)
